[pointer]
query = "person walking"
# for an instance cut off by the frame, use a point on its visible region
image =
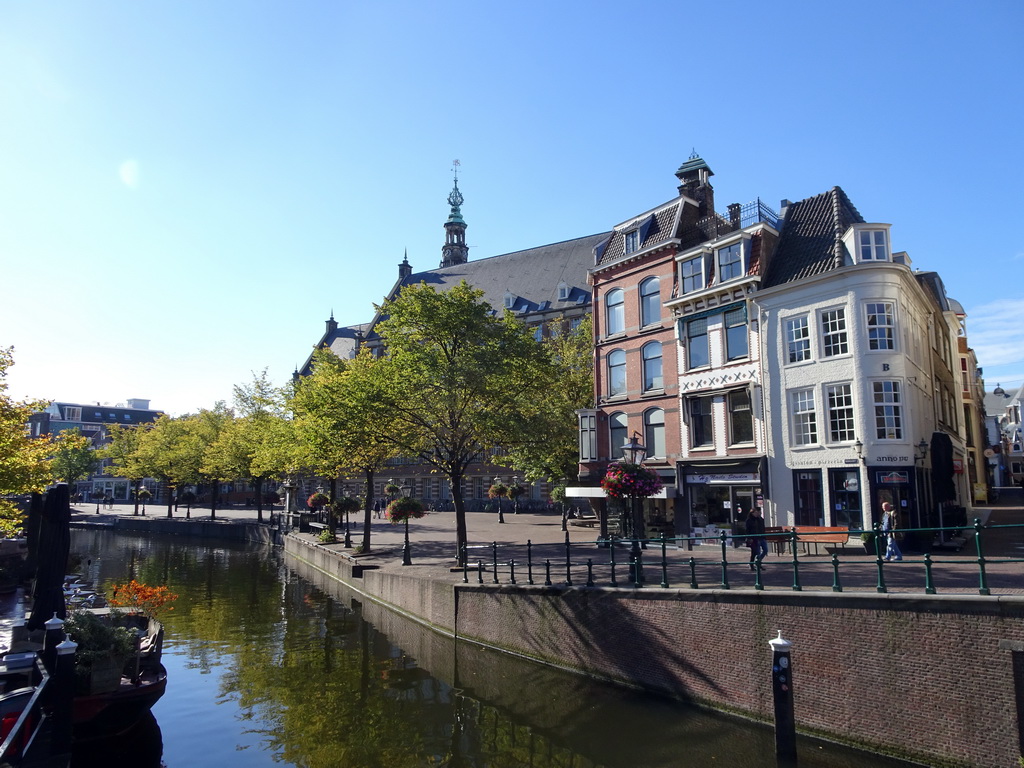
(892, 549)
(757, 542)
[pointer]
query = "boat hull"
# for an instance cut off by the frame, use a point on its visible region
(102, 715)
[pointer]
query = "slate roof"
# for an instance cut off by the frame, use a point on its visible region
(655, 228)
(810, 240)
(531, 276)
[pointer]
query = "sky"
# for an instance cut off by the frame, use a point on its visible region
(188, 190)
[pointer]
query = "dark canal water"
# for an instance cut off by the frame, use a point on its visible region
(267, 668)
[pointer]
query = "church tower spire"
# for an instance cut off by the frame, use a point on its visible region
(455, 250)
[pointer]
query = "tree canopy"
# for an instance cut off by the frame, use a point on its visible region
(24, 460)
(73, 456)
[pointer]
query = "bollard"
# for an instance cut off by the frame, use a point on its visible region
(529, 562)
(62, 697)
(494, 559)
(51, 639)
(590, 572)
(782, 694)
(547, 573)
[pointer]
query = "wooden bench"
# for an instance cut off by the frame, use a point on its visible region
(821, 534)
(318, 527)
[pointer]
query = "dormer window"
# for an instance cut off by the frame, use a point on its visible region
(730, 262)
(632, 241)
(872, 245)
(563, 291)
(692, 274)
(510, 299)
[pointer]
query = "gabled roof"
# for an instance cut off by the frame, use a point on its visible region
(810, 242)
(341, 340)
(531, 277)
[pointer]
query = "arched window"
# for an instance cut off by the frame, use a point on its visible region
(617, 372)
(650, 301)
(654, 432)
(652, 366)
(615, 311)
(616, 435)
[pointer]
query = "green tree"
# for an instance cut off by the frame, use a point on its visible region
(166, 453)
(24, 460)
(202, 431)
(456, 381)
(73, 456)
(123, 453)
(249, 446)
(548, 447)
(340, 419)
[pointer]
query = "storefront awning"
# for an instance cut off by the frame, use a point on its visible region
(590, 492)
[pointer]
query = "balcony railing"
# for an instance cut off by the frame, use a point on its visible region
(736, 217)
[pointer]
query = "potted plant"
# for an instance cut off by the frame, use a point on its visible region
(402, 510)
(103, 650)
(868, 539)
(496, 492)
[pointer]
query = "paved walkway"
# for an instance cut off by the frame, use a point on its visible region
(432, 542)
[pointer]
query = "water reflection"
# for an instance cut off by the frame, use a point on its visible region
(269, 665)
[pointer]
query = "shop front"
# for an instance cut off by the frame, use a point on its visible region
(722, 493)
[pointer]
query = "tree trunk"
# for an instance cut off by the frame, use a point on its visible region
(367, 510)
(214, 494)
(258, 483)
(461, 536)
(137, 483)
(170, 498)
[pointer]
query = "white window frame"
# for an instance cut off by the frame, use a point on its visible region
(650, 315)
(617, 422)
(880, 320)
(563, 291)
(872, 245)
(631, 242)
(615, 362)
(804, 417)
(798, 346)
(737, 263)
(647, 358)
(72, 413)
(615, 313)
(887, 401)
(701, 275)
(835, 334)
(653, 437)
(745, 407)
(841, 417)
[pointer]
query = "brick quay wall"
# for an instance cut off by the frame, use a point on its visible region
(930, 678)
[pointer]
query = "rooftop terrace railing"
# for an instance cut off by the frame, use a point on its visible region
(672, 562)
(735, 218)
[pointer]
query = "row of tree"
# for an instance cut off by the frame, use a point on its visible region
(450, 381)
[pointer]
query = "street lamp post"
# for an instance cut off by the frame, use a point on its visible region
(634, 452)
(406, 550)
(348, 513)
(513, 492)
(501, 516)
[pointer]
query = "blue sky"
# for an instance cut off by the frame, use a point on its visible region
(188, 189)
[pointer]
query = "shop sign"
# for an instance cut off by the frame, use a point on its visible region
(958, 466)
(893, 478)
(730, 478)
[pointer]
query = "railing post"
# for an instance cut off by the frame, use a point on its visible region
(494, 559)
(664, 562)
(62, 697)
(693, 573)
(836, 586)
(637, 573)
(879, 562)
(929, 587)
(480, 571)
(465, 565)
(568, 561)
(547, 573)
(982, 580)
(512, 571)
(611, 552)
(758, 583)
(725, 563)
(529, 562)
(590, 572)
(796, 562)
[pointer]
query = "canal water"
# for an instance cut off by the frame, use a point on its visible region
(270, 667)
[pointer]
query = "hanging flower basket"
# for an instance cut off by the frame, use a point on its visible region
(630, 481)
(345, 504)
(404, 509)
(391, 489)
(497, 491)
(317, 500)
(515, 491)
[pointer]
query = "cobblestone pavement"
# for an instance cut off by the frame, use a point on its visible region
(528, 543)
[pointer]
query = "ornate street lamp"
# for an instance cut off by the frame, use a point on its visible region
(497, 496)
(634, 452)
(406, 550)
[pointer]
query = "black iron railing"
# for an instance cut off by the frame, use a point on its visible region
(671, 562)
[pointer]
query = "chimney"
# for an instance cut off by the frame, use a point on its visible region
(735, 218)
(695, 182)
(332, 325)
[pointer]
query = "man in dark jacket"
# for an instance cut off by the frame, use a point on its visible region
(757, 542)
